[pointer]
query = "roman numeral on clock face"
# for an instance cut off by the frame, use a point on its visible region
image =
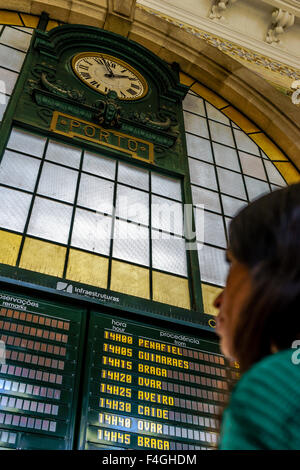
(132, 92)
(85, 75)
(94, 83)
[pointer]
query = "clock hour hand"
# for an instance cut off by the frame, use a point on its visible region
(116, 76)
(110, 74)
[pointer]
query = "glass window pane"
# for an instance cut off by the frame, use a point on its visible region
(213, 267)
(3, 104)
(243, 142)
(131, 242)
(231, 205)
(226, 156)
(231, 183)
(91, 231)
(194, 104)
(14, 209)
(213, 113)
(199, 148)
(132, 204)
(50, 220)
(96, 193)
(99, 165)
(133, 176)
(64, 154)
(256, 188)
(10, 58)
(210, 199)
(58, 182)
(15, 38)
(26, 142)
(18, 170)
(167, 215)
(8, 80)
(195, 124)
(166, 186)
(221, 133)
(252, 166)
(209, 228)
(202, 174)
(168, 253)
(273, 174)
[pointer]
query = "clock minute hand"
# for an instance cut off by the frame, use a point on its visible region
(116, 76)
(111, 74)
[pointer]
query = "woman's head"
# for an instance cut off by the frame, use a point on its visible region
(259, 307)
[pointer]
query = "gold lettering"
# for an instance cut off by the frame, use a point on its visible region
(104, 136)
(85, 130)
(74, 123)
(135, 145)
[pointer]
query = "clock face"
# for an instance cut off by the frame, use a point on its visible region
(105, 73)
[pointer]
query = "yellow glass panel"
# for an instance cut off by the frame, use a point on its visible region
(43, 257)
(87, 268)
(185, 79)
(130, 279)
(240, 120)
(10, 17)
(288, 171)
(51, 24)
(209, 294)
(270, 149)
(9, 247)
(171, 290)
(209, 95)
(30, 21)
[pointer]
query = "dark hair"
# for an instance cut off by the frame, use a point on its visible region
(265, 236)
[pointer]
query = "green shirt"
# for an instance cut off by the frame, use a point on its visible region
(264, 407)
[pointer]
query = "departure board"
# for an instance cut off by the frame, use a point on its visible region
(151, 388)
(39, 374)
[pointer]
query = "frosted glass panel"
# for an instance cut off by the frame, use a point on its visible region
(99, 165)
(96, 193)
(58, 182)
(231, 183)
(166, 186)
(26, 142)
(231, 205)
(210, 199)
(8, 80)
(221, 133)
(50, 220)
(213, 267)
(11, 58)
(195, 124)
(15, 38)
(18, 170)
(167, 215)
(202, 174)
(273, 174)
(226, 156)
(132, 204)
(194, 104)
(211, 226)
(244, 142)
(199, 148)
(133, 176)
(131, 242)
(64, 154)
(168, 253)
(256, 188)
(213, 113)
(92, 231)
(252, 166)
(14, 209)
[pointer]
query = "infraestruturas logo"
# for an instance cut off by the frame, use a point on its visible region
(64, 286)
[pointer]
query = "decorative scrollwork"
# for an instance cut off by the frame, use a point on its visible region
(108, 112)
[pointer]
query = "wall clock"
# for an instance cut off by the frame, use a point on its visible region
(105, 73)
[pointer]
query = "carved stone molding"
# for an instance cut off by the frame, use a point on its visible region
(219, 7)
(281, 20)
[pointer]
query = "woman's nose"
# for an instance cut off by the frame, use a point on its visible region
(218, 300)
